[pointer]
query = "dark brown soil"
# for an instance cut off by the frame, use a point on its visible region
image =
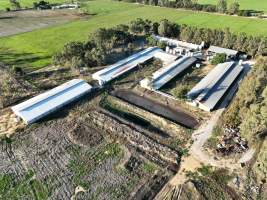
(176, 115)
(85, 136)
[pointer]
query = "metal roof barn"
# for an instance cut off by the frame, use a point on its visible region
(228, 52)
(202, 88)
(165, 74)
(42, 105)
(208, 92)
(125, 65)
(219, 89)
(177, 43)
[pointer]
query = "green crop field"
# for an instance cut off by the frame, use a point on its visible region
(259, 5)
(35, 49)
(25, 3)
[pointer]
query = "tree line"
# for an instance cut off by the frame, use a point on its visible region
(100, 44)
(248, 111)
(221, 7)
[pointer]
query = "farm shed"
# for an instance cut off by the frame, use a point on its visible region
(210, 90)
(177, 43)
(42, 105)
(213, 50)
(125, 65)
(165, 74)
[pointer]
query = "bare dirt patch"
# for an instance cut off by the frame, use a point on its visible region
(12, 23)
(85, 136)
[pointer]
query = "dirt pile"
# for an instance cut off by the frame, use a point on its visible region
(85, 136)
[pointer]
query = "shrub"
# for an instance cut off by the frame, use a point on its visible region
(219, 58)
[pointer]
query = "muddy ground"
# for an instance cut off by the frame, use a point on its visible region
(16, 22)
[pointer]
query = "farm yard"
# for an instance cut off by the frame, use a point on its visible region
(115, 100)
(118, 159)
(36, 52)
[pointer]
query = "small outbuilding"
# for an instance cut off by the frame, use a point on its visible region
(230, 53)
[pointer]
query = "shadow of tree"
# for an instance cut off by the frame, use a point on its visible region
(27, 60)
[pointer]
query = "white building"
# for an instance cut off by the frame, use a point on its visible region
(127, 64)
(211, 89)
(42, 105)
(180, 45)
(167, 73)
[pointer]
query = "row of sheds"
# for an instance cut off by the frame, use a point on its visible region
(206, 94)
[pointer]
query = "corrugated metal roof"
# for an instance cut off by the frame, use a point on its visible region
(220, 88)
(164, 75)
(43, 104)
(228, 52)
(209, 80)
(125, 65)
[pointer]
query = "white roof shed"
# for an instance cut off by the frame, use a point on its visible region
(228, 52)
(38, 107)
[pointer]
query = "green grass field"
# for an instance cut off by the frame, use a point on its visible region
(25, 3)
(259, 5)
(35, 49)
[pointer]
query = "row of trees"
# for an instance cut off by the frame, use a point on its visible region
(248, 111)
(221, 6)
(95, 51)
(102, 43)
(224, 38)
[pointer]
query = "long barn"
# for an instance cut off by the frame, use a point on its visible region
(211, 89)
(42, 105)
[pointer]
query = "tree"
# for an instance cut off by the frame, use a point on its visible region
(222, 6)
(262, 50)
(163, 28)
(15, 4)
(154, 28)
(229, 39)
(233, 8)
(138, 26)
(219, 58)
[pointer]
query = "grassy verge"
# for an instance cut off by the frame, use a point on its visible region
(84, 162)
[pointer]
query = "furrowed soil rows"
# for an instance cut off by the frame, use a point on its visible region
(176, 115)
(153, 150)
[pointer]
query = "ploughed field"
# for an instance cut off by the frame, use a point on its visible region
(37, 52)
